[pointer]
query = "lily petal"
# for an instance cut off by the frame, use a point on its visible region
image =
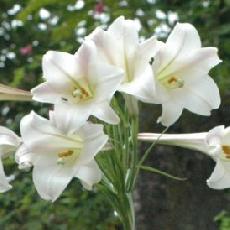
(40, 135)
(202, 96)
(106, 44)
(66, 117)
(220, 178)
(50, 93)
(183, 38)
(127, 32)
(94, 142)
(9, 141)
(23, 158)
(51, 181)
(89, 175)
(60, 67)
(105, 113)
(170, 113)
(197, 64)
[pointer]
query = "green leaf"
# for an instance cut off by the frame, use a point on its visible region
(154, 170)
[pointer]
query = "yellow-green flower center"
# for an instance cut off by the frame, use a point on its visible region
(82, 92)
(68, 156)
(171, 81)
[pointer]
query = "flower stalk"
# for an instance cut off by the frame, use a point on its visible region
(119, 165)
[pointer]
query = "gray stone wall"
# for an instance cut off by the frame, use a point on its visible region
(166, 204)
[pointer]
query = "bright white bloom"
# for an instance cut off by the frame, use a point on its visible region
(81, 81)
(9, 142)
(59, 150)
(181, 68)
(120, 46)
(215, 143)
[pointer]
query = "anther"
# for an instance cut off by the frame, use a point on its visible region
(226, 150)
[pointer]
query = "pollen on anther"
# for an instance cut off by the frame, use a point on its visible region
(66, 153)
(178, 82)
(226, 150)
(172, 80)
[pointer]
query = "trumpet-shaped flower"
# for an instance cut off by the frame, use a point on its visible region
(120, 46)
(181, 68)
(59, 150)
(215, 143)
(81, 81)
(9, 142)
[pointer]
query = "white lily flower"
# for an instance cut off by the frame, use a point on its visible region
(181, 68)
(60, 150)
(9, 142)
(81, 81)
(120, 46)
(215, 143)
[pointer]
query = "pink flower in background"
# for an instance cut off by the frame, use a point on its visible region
(26, 50)
(99, 7)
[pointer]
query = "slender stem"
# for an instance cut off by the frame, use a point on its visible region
(133, 153)
(126, 211)
(119, 166)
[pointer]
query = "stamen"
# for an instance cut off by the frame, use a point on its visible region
(77, 93)
(68, 156)
(85, 94)
(62, 156)
(172, 82)
(66, 153)
(82, 93)
(226, 150)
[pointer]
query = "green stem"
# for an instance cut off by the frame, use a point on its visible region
(126, 211)
(133, 153)
(120, 165)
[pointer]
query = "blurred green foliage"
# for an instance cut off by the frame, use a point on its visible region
(223, 219)
(28, 28)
